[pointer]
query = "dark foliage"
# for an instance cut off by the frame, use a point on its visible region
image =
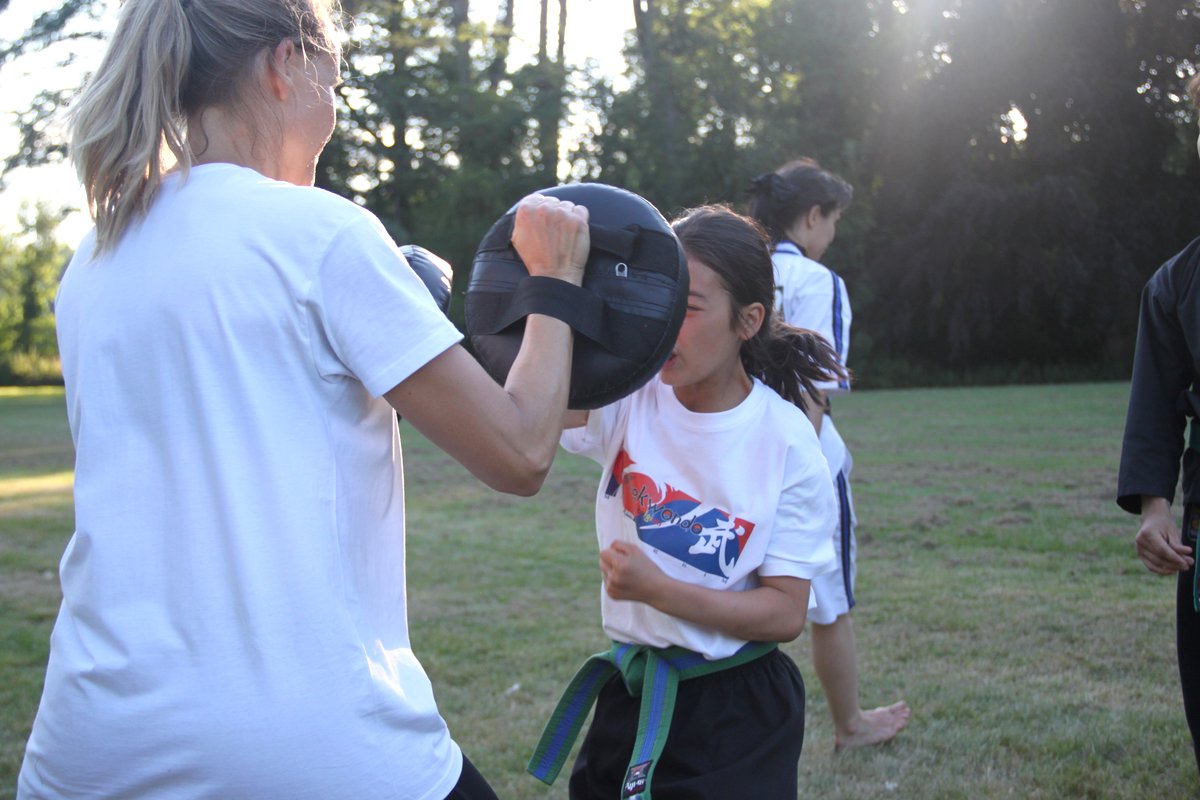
(1020, 166)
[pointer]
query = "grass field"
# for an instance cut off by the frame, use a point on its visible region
(998, 593)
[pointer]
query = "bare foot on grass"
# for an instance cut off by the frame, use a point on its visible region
(876, 726)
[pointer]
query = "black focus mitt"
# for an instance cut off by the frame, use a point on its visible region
(626, 314)
(434, 271)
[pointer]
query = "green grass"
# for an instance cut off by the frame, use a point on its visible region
(998, 593)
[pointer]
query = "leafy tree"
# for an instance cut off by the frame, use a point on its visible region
(999, 246)
(720, 91)
(678, 134)
(56, 32)
(30, 265)
(439, 136)
(1020, 165)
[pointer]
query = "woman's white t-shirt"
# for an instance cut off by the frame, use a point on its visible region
(234, 617)
(715, 500)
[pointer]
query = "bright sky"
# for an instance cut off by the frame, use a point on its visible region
(595, 30)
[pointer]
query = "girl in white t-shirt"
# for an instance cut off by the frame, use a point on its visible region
(715, 509)
(235, 346)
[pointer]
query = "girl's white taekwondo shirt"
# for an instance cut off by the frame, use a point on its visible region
(714, 500)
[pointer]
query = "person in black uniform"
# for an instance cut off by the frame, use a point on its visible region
(1165, 391)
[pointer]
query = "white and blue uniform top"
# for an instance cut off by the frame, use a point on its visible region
(810, 295)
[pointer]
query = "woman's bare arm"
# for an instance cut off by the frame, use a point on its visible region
(507, 435)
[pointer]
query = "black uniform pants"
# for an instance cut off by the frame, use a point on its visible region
(471, 785)
(734, 734)
(1187, 632)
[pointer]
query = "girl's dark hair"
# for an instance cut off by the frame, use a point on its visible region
(788, 359)
(779, 198)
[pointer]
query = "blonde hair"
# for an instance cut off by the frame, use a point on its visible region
(1193, 89)
(169, 60)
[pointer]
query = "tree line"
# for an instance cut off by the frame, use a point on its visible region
(1020, 166)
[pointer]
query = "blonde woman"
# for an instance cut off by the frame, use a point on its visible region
(235, 343)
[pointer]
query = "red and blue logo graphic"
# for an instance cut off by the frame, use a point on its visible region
(673, 522)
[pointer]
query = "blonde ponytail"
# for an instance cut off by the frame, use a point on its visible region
(128, 117)
(168, 61)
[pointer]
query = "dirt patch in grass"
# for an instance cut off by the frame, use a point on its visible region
(32, 590)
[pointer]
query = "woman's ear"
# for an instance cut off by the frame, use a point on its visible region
(751, 319)
(279, 62)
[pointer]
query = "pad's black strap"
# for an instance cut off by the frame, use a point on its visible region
(623, 334)
(656, 251)
(574, 305)
(653, 251)
(620, 242)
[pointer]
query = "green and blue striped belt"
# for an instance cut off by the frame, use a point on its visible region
(649, 672)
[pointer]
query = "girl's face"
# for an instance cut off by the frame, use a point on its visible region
(705, 367)
(817, 231)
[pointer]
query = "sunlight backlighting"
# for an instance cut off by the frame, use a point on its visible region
(1013, 126)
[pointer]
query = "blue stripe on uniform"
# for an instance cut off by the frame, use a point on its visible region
(845, 532)
(837, 320)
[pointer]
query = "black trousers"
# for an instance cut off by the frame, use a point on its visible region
(734, 734)
(471, 785)
(1187, 633)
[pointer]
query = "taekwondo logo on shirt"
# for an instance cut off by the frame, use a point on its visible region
(701, 535)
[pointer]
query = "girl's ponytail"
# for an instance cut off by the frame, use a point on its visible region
(128, 116)
(791, 360)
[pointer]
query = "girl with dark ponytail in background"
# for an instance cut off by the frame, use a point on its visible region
(799, 205)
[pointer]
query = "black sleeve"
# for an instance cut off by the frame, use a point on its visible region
(1162, 374)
